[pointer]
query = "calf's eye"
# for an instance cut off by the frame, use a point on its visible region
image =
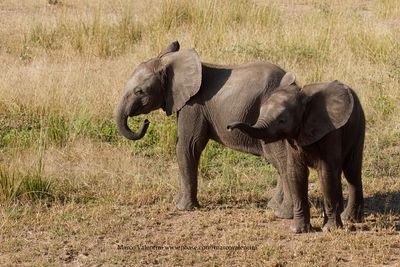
(138, 91)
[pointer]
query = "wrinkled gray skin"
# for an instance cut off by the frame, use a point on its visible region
(323, 127)
(206, 97)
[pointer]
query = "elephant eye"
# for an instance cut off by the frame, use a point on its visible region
(138, 91)
(281, 121)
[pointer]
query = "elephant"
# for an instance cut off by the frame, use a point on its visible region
(323, 126)
(206, 98)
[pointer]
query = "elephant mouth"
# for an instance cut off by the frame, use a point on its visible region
(134, 111)
(140, 107)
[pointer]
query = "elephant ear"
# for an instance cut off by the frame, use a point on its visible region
(288, 79)
(183, 74)
(328, 107)
(172, 47)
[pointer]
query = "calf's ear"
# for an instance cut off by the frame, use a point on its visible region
(172, 47)
(327, 108)
(288, 79)
(183, 78)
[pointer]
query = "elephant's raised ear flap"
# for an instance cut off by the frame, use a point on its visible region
(328, 107)
(288, 79)
(172, 47)
(183, 71)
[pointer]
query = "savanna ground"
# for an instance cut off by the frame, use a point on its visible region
(72, 191)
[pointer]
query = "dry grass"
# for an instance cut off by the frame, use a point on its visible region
(72, 191)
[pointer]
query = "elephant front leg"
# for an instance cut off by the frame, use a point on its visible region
(333, 196)
(192, 139)
(275, 202)
(188, 164)
(298, 185)
(281, 202)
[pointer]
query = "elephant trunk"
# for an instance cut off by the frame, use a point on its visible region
(259, 130)
(252, 131)
(123, 128)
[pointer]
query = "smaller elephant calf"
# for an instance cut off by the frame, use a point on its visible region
(324, 127)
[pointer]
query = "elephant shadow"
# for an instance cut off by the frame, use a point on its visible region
(383, 203)
(381, 211)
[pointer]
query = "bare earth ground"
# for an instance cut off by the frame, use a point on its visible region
(91, 235)
(116, 227)
(62, 70)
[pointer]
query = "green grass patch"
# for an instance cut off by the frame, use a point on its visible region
(160, 138)
(18, 128)
(56, 129)
(25, 128)
(232, 176)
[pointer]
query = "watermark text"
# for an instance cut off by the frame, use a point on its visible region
(185, 247)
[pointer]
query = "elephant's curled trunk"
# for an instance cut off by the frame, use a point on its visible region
(123, 128)
(252, 131)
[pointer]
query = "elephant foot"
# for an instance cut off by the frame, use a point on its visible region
(285, 210)
(185, 203)
(332, 224)
(300, 226)
(352, 214)
(275, 202)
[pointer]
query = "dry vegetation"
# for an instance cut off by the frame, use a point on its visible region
(72, 190)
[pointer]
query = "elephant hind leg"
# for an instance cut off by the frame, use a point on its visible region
(352, 171)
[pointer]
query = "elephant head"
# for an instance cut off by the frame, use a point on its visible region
(167, 81)
(303, 114)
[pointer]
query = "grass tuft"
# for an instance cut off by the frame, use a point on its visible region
(44, 37)
(24, 187)
(9, 185)
(34, 187)
(57, 129)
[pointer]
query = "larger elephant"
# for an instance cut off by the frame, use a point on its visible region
(323, 126)
(206, 98)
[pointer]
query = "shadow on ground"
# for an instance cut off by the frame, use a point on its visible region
(381, 211)
(383, 203)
